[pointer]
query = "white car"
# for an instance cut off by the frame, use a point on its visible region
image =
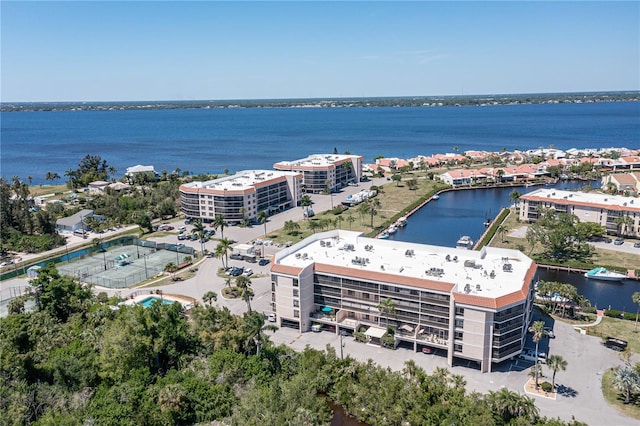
(271, 317)
(247, 272)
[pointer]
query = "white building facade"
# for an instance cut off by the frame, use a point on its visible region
(241, 196)
(323, 172)
(473, 305)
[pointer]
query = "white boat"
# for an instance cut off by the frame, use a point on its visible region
(465, 242)
(392, 229)
(384, 235)
(402, 222)
(603, 274)
(435, 197)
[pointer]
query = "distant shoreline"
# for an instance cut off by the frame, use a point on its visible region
(370, 102)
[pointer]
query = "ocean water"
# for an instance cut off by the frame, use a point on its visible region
(211, 140)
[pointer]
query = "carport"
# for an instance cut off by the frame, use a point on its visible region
(374, 334)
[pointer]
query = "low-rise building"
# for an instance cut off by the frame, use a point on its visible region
(75, 222)
(472, 305)
(619, 215)
(241, 196)
(322, 172)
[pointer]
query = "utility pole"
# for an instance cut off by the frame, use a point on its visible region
(341, 344)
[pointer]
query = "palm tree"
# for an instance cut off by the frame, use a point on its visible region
(222, 251)
(363, 209)
(305, 202)
(255, 327)
(314, 225)
(262, 218)
(501, 230)
(537, 328)
(209, 297)
(374, 207)
(350, 219)
(514, 196)
(219, 222)
(509, 405)
(170, 268)
(388, 307)
(626, 379)
(291, 227)
(636, 299)
(339, 220)
(623, 222)
(198, 229)
(556, 363)
(244, 285)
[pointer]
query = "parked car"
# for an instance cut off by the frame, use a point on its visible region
(193, 237)
(616, 344)
(549, 333)
(272, 317)
(182, 237)
(182, 229)
(636, 245)
(236, 256)
(263, 262)
(618, 241)
(237, 272)
(247, 272)
(607, 240)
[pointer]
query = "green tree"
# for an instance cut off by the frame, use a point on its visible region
(244, 285)
(350, 219)
(262, 218)
(537, 328)
(58, 295)
(636, 299)
(222, 251)
(396, 178)
(622, 223)
(170, 268)
(511, 405)
(219, 223)
(412, 184)
(374, 207)
(626, 380)
(255, 328)
(209, 297)
(314, 225)
(388, 307)
(501, 230)
(199, 229)
(514, 196)
(291, 227)
(556, 363)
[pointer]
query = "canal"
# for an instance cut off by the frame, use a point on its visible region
(457, 213)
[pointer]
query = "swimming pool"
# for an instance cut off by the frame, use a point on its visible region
(148, 301)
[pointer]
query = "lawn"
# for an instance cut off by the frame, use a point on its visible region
(622, 329)
(616, 399)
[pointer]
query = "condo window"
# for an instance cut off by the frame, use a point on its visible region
(296, 303)
(458, 335)
(295, 282)
(459, 323)
(457, 347)
(295, 292)
(460, 311)
(296, 313)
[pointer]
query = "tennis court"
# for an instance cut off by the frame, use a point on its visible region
(125, 265)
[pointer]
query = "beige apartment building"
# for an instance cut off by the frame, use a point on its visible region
(325, 171)
(470, 305)
(242, 195)
(602, 209)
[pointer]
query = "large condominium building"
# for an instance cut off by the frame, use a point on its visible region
(473, 305)
(618, 214)
(242, 195)
(323, 172)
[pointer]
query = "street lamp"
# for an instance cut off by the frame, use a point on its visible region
(342, 334)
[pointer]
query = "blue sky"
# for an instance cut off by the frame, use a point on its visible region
(71, 51)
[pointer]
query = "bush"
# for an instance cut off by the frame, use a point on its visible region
(546, 386)
(613, 313)
(589, 310)
(629, 316)
(359, 336)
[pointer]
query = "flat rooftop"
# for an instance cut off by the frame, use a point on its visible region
(241, 180)
(583, 198)
(316, 160)
(491, 272)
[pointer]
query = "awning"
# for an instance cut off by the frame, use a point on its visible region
(375, 332)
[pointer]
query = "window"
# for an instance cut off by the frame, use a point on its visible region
(273, 297)
(296, 313)
(459, 323)
(296, 303)
(457, 347)
(459, 311)
(458, 335)
(296, 293)
(295, 282)
(273, 286)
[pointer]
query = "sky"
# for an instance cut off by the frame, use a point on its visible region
(139, 51)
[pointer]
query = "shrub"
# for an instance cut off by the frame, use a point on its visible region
(613, 313)
(546, 386)
(360, 336)
(589, 310)
(388, 340)
(630, 316)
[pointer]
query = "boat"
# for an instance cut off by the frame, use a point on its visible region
(392, 229)
(401, 223)
(487, 223)
(384, 235)
(435, 197)
(465, 242)
(603, 274)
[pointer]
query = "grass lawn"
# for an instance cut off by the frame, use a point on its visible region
(602, 257)
(616, 398)
(393, 200)
(38, 190)
(622, 329)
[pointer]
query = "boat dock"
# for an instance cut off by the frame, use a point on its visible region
(631, 275)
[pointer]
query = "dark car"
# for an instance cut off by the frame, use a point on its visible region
(636, 245)
(237, 272)
(263, 262)
(194, 237)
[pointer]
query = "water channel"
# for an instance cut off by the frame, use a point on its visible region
(459, 213)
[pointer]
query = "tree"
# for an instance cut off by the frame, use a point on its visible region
(556, 363)
(501, 230)
(305, 201)
(59, 295)
(220, 223)
(244, 285)
(363, 209)
(170, 268)
(537, 328)
(636, 299)
(510, 405)
(198, 229)
(374, 207)
(412, 184)
(291, 227)
(255, 326)
(514, 196)
(209, 297)
(396, 178)
(314, 225)
(627, 380)
(350, 219)
(222, 251)
(623, 222)
(262, 218)
(388, 307)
